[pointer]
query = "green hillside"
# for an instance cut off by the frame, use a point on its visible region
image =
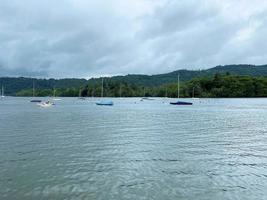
(14, 85)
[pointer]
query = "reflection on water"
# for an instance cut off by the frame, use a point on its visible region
(215, 149)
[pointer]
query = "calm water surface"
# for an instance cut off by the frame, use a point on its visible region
(215, 149)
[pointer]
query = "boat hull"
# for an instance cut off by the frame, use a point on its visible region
(36, 101)
(181, 103)
(45, 104)
(105, 103)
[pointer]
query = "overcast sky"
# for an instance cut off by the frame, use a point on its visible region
(86, 38)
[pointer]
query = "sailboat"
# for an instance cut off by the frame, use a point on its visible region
(55, 99)
(104, 102)
(33, 94)
(178, 94)
(45, 104)
(193, 94)
(144, 97)
(2, 92)
(80, 95)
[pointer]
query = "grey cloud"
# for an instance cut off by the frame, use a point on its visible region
(92, 38)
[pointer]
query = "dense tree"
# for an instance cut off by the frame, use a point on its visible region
(132, 84)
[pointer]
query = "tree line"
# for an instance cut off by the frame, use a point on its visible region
(220, 85)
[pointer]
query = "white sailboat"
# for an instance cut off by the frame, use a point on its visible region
(144, 96)
(104, 102)
(193, 94)
(55, 99)
(178, 95)
(45, 104)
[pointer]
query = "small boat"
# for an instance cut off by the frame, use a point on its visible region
(45, 104)
(55, 99)
(178, 94)
(104, 102)
(146, 98)
(181, 103)
(36, 101)
(80, 95)
(193, 94)
(33, 94)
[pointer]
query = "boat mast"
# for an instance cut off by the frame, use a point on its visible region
(54, 92)
(144, 92)
(166, 93)
(102, 88)
(93, 91)
(33, 89)
(120, 91)
(178, 86)
(193, 95)
(2, 91)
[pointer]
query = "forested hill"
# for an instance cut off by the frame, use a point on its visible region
(14, 85)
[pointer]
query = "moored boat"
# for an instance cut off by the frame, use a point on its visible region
(104, 102)
(46, 104)
(36, 101)
(178, 95)
(33, 94)
(181, 103)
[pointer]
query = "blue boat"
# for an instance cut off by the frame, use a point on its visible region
(104, 102)
(181, 103)
(178, 94)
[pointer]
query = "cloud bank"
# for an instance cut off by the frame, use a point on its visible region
(85, 38)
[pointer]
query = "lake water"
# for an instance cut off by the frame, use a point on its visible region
(215, 149)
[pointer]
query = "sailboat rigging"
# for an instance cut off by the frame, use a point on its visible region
(104, 102)
(178, 95)
(33, 94)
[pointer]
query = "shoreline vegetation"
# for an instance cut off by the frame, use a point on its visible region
(218, 86)
(221, 81)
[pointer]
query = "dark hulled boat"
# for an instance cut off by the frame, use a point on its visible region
(181, 103)
(36, 101)
(178, 94)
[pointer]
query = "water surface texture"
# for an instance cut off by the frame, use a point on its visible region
(215, 149)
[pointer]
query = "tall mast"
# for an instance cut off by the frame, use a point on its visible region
(120, 91)
(178, 86)
(193, 94)
(102, 88)
(92, 93)
(166, 92)
(144, 92)
(33, 92)
(54, 92)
